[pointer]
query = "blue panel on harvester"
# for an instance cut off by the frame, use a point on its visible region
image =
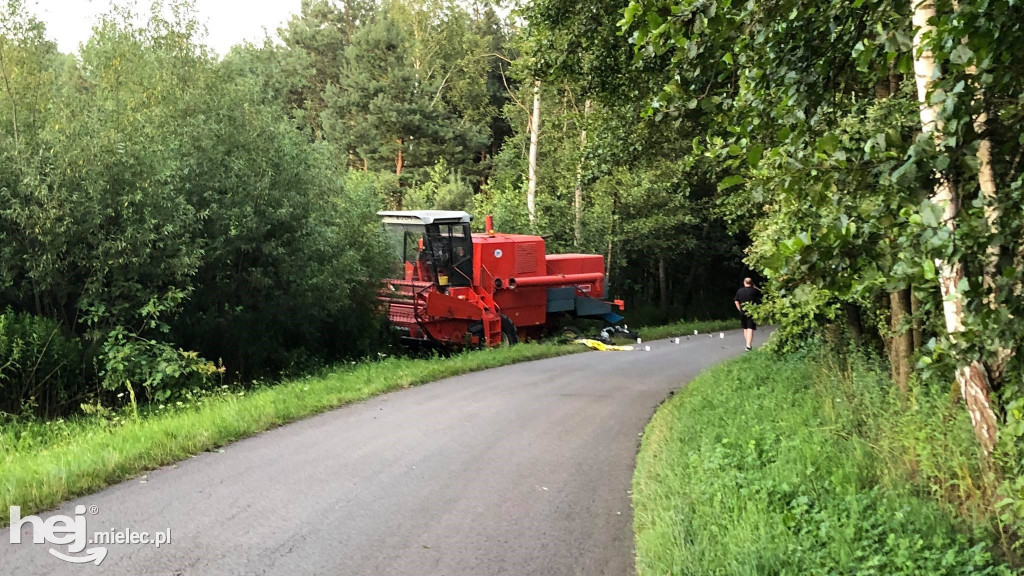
(561, 299)
(612, 318)
(586, 306)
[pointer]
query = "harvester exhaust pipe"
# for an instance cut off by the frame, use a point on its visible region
(489, 224)
(557, 279)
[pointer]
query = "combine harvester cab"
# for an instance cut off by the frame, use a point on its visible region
(450, 286)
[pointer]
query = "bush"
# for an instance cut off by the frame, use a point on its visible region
(177, 175)
(134, 365)
(42, 369)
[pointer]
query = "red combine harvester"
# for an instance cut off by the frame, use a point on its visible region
(455, 287)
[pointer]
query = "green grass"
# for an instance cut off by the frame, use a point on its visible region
(686, 327)
(45, 463)
(777, 466)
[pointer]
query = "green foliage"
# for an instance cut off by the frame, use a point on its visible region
(157, 367)
(644, 202)
(42, 368)
(92, 214)
(262, 309)
(1010, 503)
(433, 100)
(799, 314)
(813, 114)
(507, 207)
(161, 206)
(806, 470)
(443, 190)
(146, 368)
(315, 41)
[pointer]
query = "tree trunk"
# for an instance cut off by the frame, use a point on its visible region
(531, 190)
(662, 284)
(608, 265)
(986, 183)
(970, 375)
(577, 203)
(902, 345)
(611, 236)
(854, 324)
(901, 340)
(918, 331)
(10, 93)
(399, 162)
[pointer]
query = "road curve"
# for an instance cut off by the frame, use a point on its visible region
(522, 470)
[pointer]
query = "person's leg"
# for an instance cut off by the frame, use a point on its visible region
(748, 335)
(746, 323)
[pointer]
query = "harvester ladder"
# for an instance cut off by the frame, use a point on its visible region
(491, 315)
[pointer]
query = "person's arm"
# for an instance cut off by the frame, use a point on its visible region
(738, 307)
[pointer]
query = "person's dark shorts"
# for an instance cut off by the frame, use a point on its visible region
(747, 322)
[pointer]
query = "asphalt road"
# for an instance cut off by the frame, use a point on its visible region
(522, 470)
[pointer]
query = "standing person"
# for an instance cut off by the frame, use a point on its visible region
(747, 294)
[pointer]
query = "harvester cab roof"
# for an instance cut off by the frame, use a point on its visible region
(433, 246)
(425, 217)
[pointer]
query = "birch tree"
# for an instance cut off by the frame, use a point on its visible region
(970, 373)
(531, 186)
(577, 203)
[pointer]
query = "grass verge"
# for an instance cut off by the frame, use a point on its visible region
(685, 327)
(779, 466)
(45, 463)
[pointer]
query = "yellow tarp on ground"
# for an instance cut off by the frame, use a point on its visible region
(598, 345)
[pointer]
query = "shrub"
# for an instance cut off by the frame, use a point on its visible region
(42, 369)
(135, 365)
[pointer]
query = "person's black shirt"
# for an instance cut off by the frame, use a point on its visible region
(748, 294)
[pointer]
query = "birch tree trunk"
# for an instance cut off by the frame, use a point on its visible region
(10, 93)
(987, 186)
(970, 374)
(663, 284)
(531, 190)
(577, 202)
(986, 183)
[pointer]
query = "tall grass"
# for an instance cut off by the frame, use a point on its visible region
(45, 463)
(797, 466)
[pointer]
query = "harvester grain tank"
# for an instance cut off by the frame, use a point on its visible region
(454, 287)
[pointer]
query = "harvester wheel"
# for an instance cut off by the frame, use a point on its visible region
(509, 334)
(570, 333)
